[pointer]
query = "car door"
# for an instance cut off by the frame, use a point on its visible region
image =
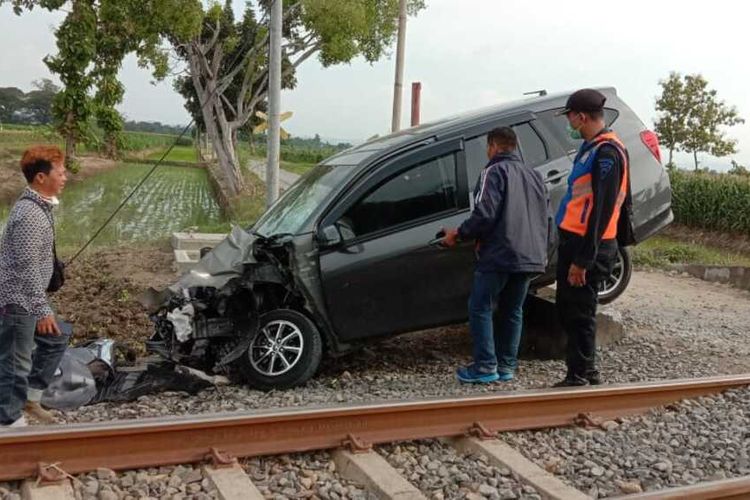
(385, 277)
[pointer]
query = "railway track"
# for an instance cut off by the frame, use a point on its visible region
(469, 423)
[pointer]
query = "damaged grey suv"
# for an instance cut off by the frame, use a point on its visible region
(348, 254)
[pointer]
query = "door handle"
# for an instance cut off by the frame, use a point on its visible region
(555, 176)
(438, 241)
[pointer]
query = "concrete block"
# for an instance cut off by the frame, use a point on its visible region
(31, 491)
(376, 474)
(543, 336)
(185, 260)
(718, 274)
(500, 454)
(196, 241)
(232, 483)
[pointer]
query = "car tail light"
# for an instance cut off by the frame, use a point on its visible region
(651, 140)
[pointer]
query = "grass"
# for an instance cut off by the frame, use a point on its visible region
(663, 251)
(246, 207)
(178, 153)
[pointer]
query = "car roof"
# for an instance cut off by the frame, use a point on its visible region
(376, 147)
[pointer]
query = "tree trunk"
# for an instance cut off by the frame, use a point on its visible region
(695, 158)
(218, 129)
(110, 146)
(70, 142)
(671, 152)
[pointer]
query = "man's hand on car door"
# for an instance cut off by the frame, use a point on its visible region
(451, 237)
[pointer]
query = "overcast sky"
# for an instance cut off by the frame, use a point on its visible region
(469, 54)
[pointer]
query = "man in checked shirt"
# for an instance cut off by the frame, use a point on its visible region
(26, 265)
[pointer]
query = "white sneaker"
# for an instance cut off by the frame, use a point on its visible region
(21, 422)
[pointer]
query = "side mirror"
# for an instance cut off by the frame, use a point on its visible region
(330, 236)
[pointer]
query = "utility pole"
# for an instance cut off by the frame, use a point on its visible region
(416, 99)
(274, 104)
(399, 84)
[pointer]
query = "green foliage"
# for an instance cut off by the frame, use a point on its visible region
(76, 44)
(691, 117)
(137, 141)
(154, 127)
(671, 124)
(738, 169)
(712, 201)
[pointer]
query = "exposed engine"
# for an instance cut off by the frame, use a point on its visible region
(210, 327)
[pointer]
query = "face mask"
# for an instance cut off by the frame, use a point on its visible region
(574, 133)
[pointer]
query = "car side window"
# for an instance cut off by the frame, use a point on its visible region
(533, 150)
(420, 191)
(557, 126)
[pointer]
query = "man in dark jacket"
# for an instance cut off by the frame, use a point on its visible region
(510, 223)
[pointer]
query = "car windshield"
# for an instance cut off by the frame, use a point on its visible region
(294, 208)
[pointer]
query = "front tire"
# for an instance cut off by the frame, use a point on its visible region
(614, 286)
(285, 352)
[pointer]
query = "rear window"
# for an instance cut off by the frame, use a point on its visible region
(557, 126)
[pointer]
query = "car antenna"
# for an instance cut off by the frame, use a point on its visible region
(539, 93)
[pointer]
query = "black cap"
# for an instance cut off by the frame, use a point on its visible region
(584, 101)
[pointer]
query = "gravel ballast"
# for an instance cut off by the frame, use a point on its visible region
(696, 440)
(441, 473)
(183, 482)
(301, 476)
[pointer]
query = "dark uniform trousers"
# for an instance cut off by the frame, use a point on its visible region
(576, 306)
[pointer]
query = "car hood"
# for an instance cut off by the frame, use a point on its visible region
(226, 261)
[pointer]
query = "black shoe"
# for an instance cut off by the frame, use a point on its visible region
(594, 379)
(572, 382)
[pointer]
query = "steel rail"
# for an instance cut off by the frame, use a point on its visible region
(726, 489)
(165, 441)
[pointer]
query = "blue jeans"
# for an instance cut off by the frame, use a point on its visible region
(20, 368)
(497, 350)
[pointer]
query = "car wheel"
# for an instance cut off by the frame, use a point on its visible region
(285, 352)
(618, 281)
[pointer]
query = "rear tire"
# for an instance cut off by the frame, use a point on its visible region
(619, 280)
(285, 352)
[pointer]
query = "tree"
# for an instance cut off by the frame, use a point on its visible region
(76, 44)
(671, 124)
(227, 63)
(692, 117)
(11, 99)
(92, 41)
(706, 115)
(39, 102)
(738, 169)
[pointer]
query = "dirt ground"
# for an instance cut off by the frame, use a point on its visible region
(100, 290)
(12, 180)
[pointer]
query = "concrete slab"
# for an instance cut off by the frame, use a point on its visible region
(63, 491)
(233, 484)
(737, 276)
(500, 454)
(185, 260)
(375, 474)
(196, 241)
